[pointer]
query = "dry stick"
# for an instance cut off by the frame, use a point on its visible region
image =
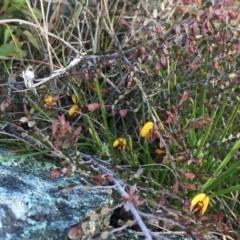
(134, 212)
(186, 229)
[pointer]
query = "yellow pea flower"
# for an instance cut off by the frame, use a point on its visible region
(147, 131)
(120, 143)
(199, 203)
(159, 151)
(72, 111)
(49, 102)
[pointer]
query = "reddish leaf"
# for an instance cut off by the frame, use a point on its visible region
(206, 120)
(192, 49)
(185, 96)
(142, 49)
(195, 27)
(218, 217)
(75, 135)
(225, 229)
(86, 75)
(56, 98)
(175, 188)
(218, 12)
(190, 161)
(193, 66)
(187, 2)
(196, 125)
(124, 22)
(93, 106)
(152, 135)
(2, 106)
(65, 128)
(54, 129)
(99, 179)
(129, 81)
(135, 200)
(186, 203)
(8, 101)
(113, 112)
(55, 174)
(233, 81)
(157, 67)
(25, 109)
(133, 189)
(189, 175)
(126, 197)
(61, 120)
(162, 202)
(210, 48)
(216, 64)
(202, 218)
(208, 106)
(163, 60)
(190, 186)
(123, 112)
(170, 117)
(129, 84)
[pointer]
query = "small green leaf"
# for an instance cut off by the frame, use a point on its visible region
(7, 49)
(7, 34)
(22, 53)
(37, 13)
(31, 111)
(18, 3)
(31, 39)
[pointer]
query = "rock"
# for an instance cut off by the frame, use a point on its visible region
(30, 207)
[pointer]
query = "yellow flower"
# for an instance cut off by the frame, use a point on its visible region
(159, 151)
(199, 203)
(120, 143)
(147, 131)
(73, 110)
(49, 102)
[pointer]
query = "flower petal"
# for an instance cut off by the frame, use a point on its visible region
(146, 129)
(49, 102)
(205, 205)
(199, 203)
(159, 151)
(73, 109)
(120, 143)
(48, 99)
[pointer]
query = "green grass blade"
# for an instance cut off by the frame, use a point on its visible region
(208, 185)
